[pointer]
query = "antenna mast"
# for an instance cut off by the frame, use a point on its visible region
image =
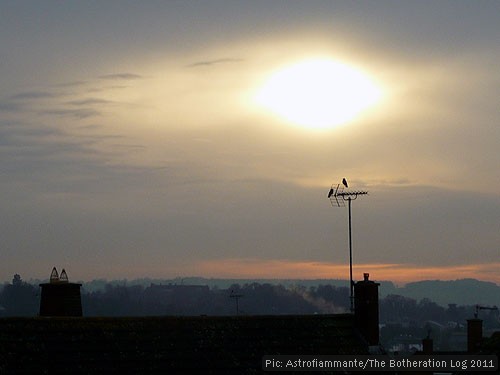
(236, 297)
(479, 307)
(337, 198)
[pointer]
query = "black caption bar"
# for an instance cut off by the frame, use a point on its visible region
(436, 363)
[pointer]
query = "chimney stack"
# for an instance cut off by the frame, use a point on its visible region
(366, 309)
(427, 345)
(474, 334)
(59, 297)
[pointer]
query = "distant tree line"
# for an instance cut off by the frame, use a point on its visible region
(20, 298)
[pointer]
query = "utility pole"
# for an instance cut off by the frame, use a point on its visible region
(337, 197)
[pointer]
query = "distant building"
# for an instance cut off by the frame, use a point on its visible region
(476, 343)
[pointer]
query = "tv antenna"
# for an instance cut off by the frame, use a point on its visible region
(338, 196)
(479, 307)
(236, 297)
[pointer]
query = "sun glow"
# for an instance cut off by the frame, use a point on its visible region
(318, 94)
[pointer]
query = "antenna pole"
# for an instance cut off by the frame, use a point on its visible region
(236, 297)
(338, 197)
(351, 297)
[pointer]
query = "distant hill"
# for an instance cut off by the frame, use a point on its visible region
(387, 286)
(461, 292)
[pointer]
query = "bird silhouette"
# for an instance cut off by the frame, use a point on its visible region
(330, 193)
(344, 181)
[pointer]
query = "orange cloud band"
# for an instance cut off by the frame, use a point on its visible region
(398, 273)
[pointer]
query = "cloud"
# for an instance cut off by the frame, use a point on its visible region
(71, 84)
(89, 101)
(214, 62)
(49, 103)
(10, 106)
(16, 102)
(17, 130)
(288, 269)
(121, 76)
(33, 95)
(81, 113)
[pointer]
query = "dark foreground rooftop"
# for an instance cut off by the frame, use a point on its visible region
(168, 345)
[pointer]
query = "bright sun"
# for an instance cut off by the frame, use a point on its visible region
(318, 94)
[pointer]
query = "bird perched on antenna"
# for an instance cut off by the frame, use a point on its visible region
(344, 182)
(330, 193)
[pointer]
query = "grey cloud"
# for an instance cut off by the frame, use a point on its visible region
(81, 113)
(16, 102)
(25, 101)
(214, 62)
(17, 130)
(89, 101)
(129, 147)
(10, 106)
(122, 76)
(45, 159)
(71, 84)
(33, 95)
(19, 101)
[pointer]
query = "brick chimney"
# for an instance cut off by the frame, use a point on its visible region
(366, 309)
(474, 334)
(427, 345)
(59, 297)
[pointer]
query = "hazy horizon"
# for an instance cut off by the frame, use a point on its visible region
(169, 138)
(209, 280)
(465, 292)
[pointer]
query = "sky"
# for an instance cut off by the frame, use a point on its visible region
(133, 142)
